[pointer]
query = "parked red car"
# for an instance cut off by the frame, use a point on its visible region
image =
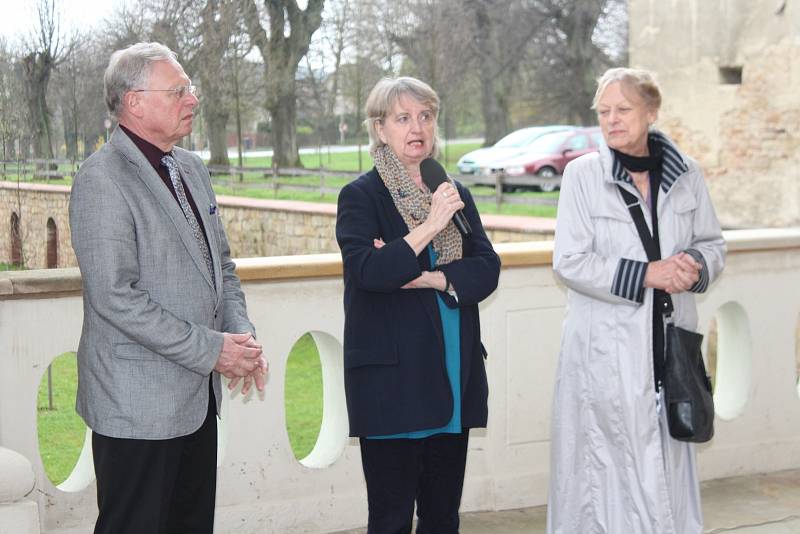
(544, 160)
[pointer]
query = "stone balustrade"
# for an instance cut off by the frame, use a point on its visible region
(262, 487)
(17, 514)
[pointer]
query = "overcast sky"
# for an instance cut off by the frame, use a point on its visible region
(17, 16)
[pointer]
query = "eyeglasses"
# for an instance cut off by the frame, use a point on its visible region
(179, 92)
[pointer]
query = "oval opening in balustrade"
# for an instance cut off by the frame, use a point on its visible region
(316, 417)
(797, 353)
(64, 440)
(729, 358)
(711, 351)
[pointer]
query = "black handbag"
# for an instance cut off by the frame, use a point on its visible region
(687, 387)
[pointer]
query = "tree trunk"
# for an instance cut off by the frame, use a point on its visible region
(42, 147)
(37, 68)
(494, 99)
(494, 107)
(216, 119)
(283, 110)
(89, 142)
(583, 57)
(216, 27)
(587, 116)
(284, 47)
(70, 133)
(238, 112)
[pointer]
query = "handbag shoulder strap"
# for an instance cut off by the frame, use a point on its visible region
(650, 242)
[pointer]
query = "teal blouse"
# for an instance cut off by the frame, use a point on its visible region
(451, 327)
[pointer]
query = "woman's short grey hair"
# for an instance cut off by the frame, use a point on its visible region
(129, 69)
(642, 82)
(385, 95)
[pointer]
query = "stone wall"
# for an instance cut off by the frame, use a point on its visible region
(255, 228)
(34, 205)
(744, 132)
(258, 228)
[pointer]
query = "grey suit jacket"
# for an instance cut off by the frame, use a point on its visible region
(152, 317)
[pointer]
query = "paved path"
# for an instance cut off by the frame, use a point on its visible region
(758, 504)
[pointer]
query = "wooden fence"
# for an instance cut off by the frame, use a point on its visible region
(38, 169)
(275, 179)
(503, 185)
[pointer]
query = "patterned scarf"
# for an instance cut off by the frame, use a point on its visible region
(414, 204)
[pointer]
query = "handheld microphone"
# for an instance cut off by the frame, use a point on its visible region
(433, 175)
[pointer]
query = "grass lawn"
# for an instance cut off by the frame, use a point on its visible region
(349, 161)
(62, 431)
(303, 396)
(10, 267)
(222, 187)
(336, 161)
(532, 210)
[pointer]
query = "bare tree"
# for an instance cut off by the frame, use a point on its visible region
(128, 24)
(69, 86)
(569, 58)
(245, 83)
(44, 50)
(12, 106)
(290, 30)
(335, 40)
(79, 89)
(314, 96)
(438, 46)
(374, 26)
(371, 51)
(500, 33)
(174, 23)
(611, 31)
(217, 25)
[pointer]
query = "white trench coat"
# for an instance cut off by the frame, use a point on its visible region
(614, 469)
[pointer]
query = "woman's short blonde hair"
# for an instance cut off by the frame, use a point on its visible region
(385, 95)
(641, 81)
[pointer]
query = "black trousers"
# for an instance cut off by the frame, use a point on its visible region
(400, 472)
(157, 486)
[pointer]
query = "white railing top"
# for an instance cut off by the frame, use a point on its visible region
(19, 284)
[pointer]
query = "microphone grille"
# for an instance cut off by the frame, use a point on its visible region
(432, 172)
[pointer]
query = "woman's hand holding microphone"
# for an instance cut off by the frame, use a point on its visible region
(445, 201)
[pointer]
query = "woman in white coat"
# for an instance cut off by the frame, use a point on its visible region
(614, 467)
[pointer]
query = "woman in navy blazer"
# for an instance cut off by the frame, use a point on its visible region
(415, 380)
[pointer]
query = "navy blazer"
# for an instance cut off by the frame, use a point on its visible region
(394, 366)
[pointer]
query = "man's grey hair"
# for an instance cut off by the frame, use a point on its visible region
(129, 69)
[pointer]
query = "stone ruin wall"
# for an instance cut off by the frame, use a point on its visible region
(745, 135)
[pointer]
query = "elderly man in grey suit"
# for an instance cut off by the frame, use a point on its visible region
(164, 314)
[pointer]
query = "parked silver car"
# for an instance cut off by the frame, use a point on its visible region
(509, 146)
